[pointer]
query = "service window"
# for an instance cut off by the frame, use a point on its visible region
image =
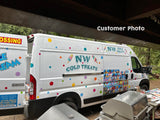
(136, 65)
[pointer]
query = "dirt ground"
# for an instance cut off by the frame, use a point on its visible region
(90, 112)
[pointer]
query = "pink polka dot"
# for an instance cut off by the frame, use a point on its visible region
(69, 47)
(94, 90)
(63, 65)
(57, 93)
(82, 62)
(97, 48)
(81, 82)
(39, 53)
(6, 88)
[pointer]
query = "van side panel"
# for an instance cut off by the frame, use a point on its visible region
(13, 51)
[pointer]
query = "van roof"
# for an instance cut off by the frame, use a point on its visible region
(81, 40)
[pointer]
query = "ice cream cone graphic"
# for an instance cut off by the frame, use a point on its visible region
(70, 58)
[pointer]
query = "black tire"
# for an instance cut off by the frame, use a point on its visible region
(144, 87)
(72, 105)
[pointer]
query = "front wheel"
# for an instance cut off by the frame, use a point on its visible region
(144, 87)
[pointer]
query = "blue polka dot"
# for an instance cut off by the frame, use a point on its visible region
(31, 65)
(50, 66)
(6, 48)
(101, 57)
(85, 49)
(81, 94)
(48, 92)
(56, 47)
(85, 86)
(19, 104)
(127, 64)
(69, 78)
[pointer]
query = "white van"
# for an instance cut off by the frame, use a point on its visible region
(77, 72)
(13, 51)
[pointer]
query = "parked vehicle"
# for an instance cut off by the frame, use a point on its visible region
(77, 72)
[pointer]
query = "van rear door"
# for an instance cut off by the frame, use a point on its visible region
(13, 51)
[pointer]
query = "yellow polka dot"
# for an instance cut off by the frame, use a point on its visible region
(37, 96)
(49, 40)
(73, 84)
(129, 86)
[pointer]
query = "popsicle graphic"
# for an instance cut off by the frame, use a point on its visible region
(70, 58)
(94, 58)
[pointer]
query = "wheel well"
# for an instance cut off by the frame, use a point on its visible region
(145, 81)
(69, 96)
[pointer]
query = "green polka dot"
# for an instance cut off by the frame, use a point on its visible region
(100, 92)
(130, 52)
(21, 92)
(62, 80)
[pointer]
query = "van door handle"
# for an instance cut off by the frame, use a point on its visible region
(17, 84)
(132, 76)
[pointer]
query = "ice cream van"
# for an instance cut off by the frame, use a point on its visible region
(13, 52)
(58, 69)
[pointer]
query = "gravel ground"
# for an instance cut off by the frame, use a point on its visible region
(90, 112)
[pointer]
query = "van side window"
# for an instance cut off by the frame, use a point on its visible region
(136, 65)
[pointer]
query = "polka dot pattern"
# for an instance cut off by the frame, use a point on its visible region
(81, 94)
(51, 83)
(95, 78)
(31, 65)
(18, 73)
(85, 49)
(73, 84)
(100, 91)
(94, 90)
(49, 40)
(20, 57)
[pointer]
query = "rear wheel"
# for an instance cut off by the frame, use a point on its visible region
(72, 105)
(144, 87)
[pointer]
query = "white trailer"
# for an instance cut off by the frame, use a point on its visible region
(77, 72)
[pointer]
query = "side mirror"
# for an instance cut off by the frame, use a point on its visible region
(146, 69)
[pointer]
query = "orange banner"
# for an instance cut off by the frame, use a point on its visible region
(10, 40)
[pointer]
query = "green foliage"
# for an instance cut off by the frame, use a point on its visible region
(12, 29)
